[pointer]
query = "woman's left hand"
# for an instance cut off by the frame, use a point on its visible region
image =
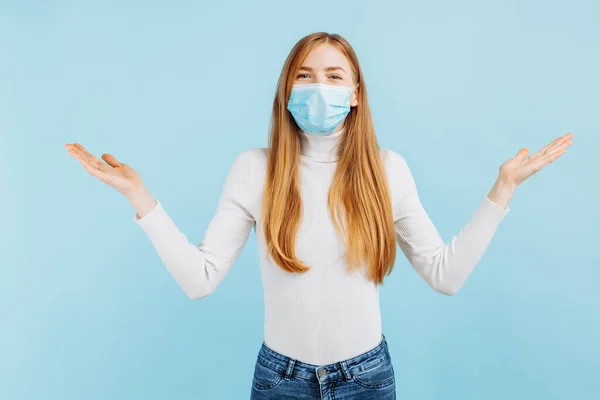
(515, 170)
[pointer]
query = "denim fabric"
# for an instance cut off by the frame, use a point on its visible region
(369, 375)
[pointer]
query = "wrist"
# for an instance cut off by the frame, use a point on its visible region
(501, 192)
(137, 192)
(141, 201)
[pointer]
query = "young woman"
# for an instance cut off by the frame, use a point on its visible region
(328, 207)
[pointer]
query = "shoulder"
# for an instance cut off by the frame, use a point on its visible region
(249, 168)
(251, 155)
(400, 178)
(394, 163)
(245, 179)
(249, 161)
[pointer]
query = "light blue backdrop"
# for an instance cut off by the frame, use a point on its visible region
(177, 89)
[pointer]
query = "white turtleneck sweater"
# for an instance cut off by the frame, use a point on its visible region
(326, 314)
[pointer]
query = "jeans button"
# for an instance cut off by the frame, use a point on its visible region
(322, 373)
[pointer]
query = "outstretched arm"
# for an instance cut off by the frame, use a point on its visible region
(200, 269)
(446, 266)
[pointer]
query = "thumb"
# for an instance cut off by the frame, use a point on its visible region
(522, 154)
(110, 160)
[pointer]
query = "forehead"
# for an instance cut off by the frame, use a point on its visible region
(325, 55)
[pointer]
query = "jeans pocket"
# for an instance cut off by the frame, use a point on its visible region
(379, 376)
(265, 377)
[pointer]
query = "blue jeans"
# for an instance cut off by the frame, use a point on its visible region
(369, 375)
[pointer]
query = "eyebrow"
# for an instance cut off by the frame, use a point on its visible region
(326, 69)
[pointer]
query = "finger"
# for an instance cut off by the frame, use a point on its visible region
(89, 160)
(546, 148)
(111, 160)
(558, 150)
(565, 140)
(522, 154)
(99, 171)
(83, 149)
(556, 142)
(77, 152)
(89, 156)
(85, 162)
(557, 146)
(553, 157)
(547, 159)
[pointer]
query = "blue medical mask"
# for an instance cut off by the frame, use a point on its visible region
(319, 108)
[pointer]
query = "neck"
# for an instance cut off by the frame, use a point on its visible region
(320, 148)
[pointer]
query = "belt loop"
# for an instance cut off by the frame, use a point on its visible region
(290, 368)
(346, 370)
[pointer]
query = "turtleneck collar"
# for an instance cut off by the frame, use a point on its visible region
(320, 148)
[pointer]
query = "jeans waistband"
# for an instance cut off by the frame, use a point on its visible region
(289, 367)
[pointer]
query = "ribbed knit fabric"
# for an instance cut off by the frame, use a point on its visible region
(326, 314)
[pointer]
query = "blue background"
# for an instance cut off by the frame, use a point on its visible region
(177, 89)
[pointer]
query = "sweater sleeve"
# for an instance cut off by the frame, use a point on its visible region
(200, 269)
(444, 266)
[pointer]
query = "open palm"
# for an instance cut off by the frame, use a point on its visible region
(116, 174)
(515, 170)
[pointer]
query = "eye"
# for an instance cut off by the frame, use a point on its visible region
(336, 76)
(301, 75)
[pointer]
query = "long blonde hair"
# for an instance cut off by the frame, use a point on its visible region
(358, 199)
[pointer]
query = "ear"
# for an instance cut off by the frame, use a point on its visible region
(354, 97)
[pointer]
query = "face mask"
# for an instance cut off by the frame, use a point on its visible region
(319, 108)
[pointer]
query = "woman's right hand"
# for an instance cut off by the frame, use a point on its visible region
(116, 174)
